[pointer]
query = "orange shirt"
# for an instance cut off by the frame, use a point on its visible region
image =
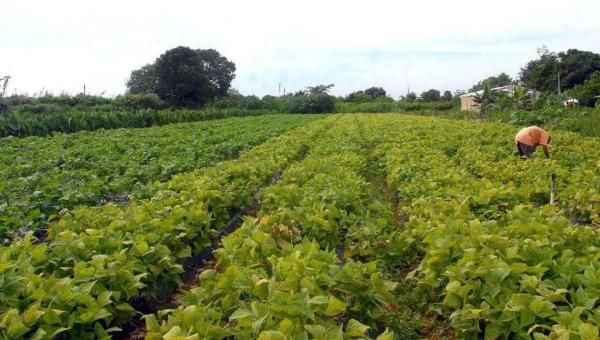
(533, 135)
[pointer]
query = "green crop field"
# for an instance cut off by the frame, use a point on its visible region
(347, 226)
(39, 176)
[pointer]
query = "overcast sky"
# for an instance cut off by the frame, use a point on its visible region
(60, 45)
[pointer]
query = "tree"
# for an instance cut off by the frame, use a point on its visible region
(447, 96)
(410, 97)
(431, 95)
(319, 89)
(375, 92)
(540, 74)
(501, 79)
(218, 70)
(143, 80)
(574, 67)
(486, 98)
(359, 97)
(181, 78)
(185, 77)
(588, 93)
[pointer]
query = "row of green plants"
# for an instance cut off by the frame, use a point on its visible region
(380, 105)
(322, 258)
(497, 259)
(48, 103)
(279, 277)
(40, 176)
(46, 115)
(21, 124)
(100, 267)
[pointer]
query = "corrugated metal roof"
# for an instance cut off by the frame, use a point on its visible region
(506, 88)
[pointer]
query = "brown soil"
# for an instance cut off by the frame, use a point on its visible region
(435, 329)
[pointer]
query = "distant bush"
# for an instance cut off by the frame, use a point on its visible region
(418, 105)
(140, 101)
(588, 92)
(318, 103)
(385, 104)
(585, 122)
(365, 107)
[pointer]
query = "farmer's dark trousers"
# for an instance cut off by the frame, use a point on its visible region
(525, 150)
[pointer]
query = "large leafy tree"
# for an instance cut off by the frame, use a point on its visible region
(588, 93)
(142, 80)
(185, 77)
(431, 95)
(574, 66)
(375, 92)
(181, 78)
(218, 70)
(577, 66)
(501, 79)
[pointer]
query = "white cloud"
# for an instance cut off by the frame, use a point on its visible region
(59, 45)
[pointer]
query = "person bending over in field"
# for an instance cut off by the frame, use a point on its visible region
(529, 138)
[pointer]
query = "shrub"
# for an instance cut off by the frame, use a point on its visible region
(140, 101)
(318, 103)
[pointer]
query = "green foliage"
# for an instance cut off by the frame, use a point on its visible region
(501, 79)
(313, 103)
(143, 80)
(447, 96)
(180, 78)
(431, 95)
(140, 101)
(488, 252)
(319, 89)
(574, 66)
(41, 176)
(27, 122)
(485, 99)
(96, 261)
(359, 97)
(585, 122)
(588, 93)
(386, 104)
(503, 266)
(410, 96)
(278, 275)
(375, 92)
(185, 77)
(367, 95)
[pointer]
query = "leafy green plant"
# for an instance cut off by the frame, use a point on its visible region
(42, 176)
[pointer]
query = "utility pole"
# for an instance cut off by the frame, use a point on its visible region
(279, 90)
(84, 89)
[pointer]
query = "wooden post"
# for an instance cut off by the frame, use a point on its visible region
(553, 190)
